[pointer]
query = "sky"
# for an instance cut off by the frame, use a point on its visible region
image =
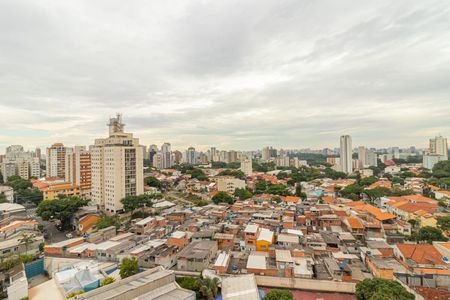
(227, 73)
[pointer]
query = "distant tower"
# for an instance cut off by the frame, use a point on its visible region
(346, 154)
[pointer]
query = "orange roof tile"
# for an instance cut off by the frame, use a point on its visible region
(355, 223)
(377, 213)
(421, 253)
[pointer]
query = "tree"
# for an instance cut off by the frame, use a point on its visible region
(235, 173)
(131, 203)
(377, 193)
(108, 221)
(222, 197)
(243, 193)
(207, 287)
(198, 174)
(128, 267)
(18, 183)
(443, 223)
(278, 189)
(27, 240)
(333, 174)
(260, 187)
(107, 280)
(62, 209)
(377, 289)
(152, 181)
(442, 169)
(430, 234)
(367, 181)
(352, 191)
(29, 195)
(279, 295)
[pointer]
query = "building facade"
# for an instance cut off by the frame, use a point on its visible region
(346, 154)
(56, 160)
(117, 167)
(79, 170)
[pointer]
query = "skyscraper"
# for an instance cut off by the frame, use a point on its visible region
(346, 154)
(166, 156)
(56, 160)
(439, 146)
(117, 167)
(191, 156)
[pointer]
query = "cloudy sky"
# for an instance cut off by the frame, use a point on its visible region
(232, 74)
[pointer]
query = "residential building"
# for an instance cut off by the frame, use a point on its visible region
(246, 166)
(166, 152)
(191, 156)
(117, 167)
(78, 169)
(430, 159)
(56, 160)
(346, 154)
(229, 184)
(439, 146)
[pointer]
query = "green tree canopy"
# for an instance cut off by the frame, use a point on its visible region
(367, 181)
(222, 197)
(279, 295)
(352, 191)
(260, 187)
(62, 209)
(430, 234)
(278, 189)
(152, 181)
(207, 287)
(442, 169)
(129, 267)
(377, 289)
(376, 193)
(131, 203)
(198, 174)
(18, 183)
(243, 193)
(333, 174)
(108, 221)
(235, 173)
(3, 198)
(443, 223)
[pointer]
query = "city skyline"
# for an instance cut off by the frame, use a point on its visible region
(292, 75)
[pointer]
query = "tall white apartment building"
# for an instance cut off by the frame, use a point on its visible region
(247, 166)
(19, 162)
(79, 169)
(117, 167)
(56, 160)
(366, 158)
(439, 146)
(346, 154)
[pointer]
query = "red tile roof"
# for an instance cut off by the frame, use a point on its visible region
(421, 253)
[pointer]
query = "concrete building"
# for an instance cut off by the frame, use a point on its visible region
(229, 184)
(78, 170)
(56, 160)
(8, 192)
(117, 167)
(439, 146)
(430, 159)
(158, 160)
(191, 156)
(166, 156)
(366, 158)
(247, 166)
(346, 154)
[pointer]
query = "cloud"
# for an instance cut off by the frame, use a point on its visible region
(231, 74)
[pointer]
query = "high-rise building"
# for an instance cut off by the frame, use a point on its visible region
(153, 149)
(158, 161)
(19, 162)
(247, 166)
(265, 154)
(439, 146)
(177, 156)
(37, 153)
(191, 156)
(212, 154)
(117, 167)
(346, 154)
(166, 156)
(79, 169)
(366, 158)
(56, 160)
